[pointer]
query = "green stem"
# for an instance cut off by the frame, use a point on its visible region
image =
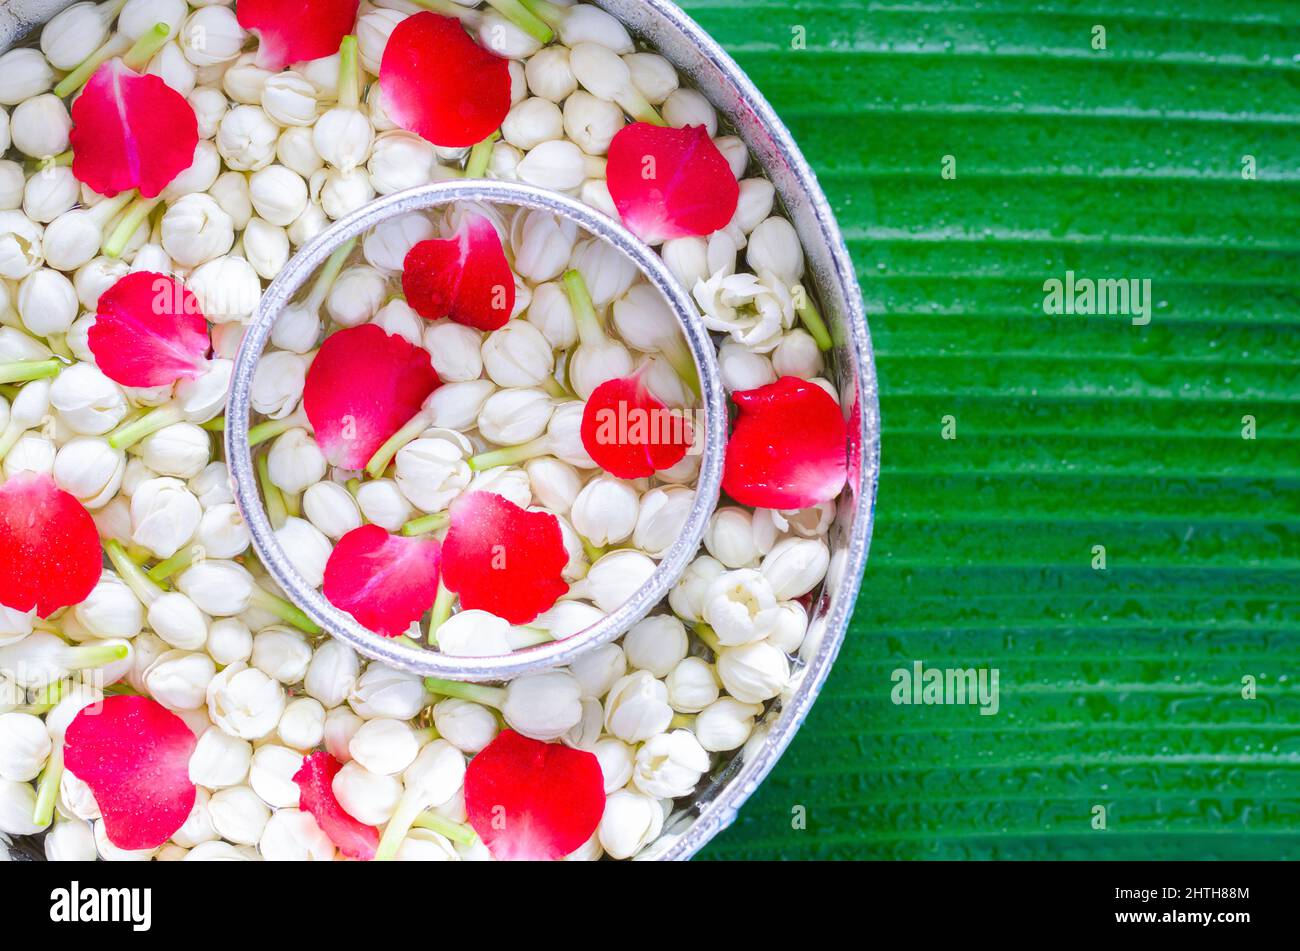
(555, 389)
(329, 273)
(217, 425)
(479, 156)
(138, 56)
(552, 14)
(282, 609)
(91, 658)
(524, 637)
(271, 428)
(59, 344)
(683, 364)
(349, 77)
(62, 160)
(456, 831)
(47, 791)
(590, 330)
(408, 808)
(488, 696)
(384, 455)
(126, 436)
(448, 8)
(426, 524)
(593, 553)
(120, 236)
(292, 504)
(812, 320)
(440, 612)
(639, 108)
(141, 585)
(10, 436)
(682, 721)
(275, 507)
(705, 633)
(510, 455)
(177, 562)
(525, 19)
(78, 77)
(24, 371)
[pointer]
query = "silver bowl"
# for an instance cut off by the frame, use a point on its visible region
(299, 272)
(675, 35)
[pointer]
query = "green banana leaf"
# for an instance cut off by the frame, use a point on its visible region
(1148, 709)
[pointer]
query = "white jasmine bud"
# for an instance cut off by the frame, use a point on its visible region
(474, 633)
(212, 35)
(731, 539)
(688, 596)
(76, 799)
(31, 453)
(307, 549)
(532, 122)
(605, 511)
(504, 38)
(518, 355)
(774, 248)
(432, 471)
(13, 180)
(382, 691)
(199, 177)
(179, 679)
(455, 351)
(688, 107)
(238, 815)
(245, 702)
(71, 36)
(218, 852)
(230, 192)
(549, 74)
(331, 508)
(466, 725)
(616, 759)
(110, 610)
(210, 107)
(456, 405)
(197, 827)
(742, 369)
(400, 160)
(170, 65)
(95, 275)
(726, 724)
(24, 73)
(278, 194)
(367, 797)
(692, 685)
(295, 461)
(600, 668)
(70, 841)
(662, 518)
(89, 469)
(17, 800)
(340, 725)
(382, 502)
(740, 607)
(310, 224)
(196, 230)
(228, 289)
(290, 100)
(220, 760)
(278, 383)
(247, 138)
(138, 17)
(50, 194)
(554, 484)
(384, 746)
(636, 707)
(543, 244)
(356, 296)
(179, 622)
(608, 273)
(615, 577)
(387, 245)
(551, 313)
(24, 747)
(342, 192)
(212, 485)
(293, 836)
(543, 706)
(266, 248)
(753, 673)
(39, 126)
(657, 643)
(669, 766)
(631, 820)
(229, 641)
(47, 302)
(398, 319)
(584, 23)
(512, 417)
(592, 364)
(795, 566)
(181, 450)
(557, 165)
(332, 673)
(282, 654)
(303, 724)
(653, 76)
(20, 245)
(164, 516)
(271, 775)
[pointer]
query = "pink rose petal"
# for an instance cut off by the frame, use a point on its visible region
(292, 31)
(385, 581)
(49, 548)
(466, 278)
(149, 331)
(315, 781)
(629, 433)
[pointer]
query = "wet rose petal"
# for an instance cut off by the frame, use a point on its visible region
(363, 386)
(315, 781)
(385, 581)
(466, 277)
(149, 331)
(529, 800)
(670, 183)
(503, 559)
(134, 754)
(629, 433)
(471, 96)
(49, 548)
(131, 131)
(291, 31)
(789, 447)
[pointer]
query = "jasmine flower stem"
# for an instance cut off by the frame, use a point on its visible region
(24, 371)
(707, 635)
(384, 455)
(329, 273)
(550, 13)
(812, 319)
(135, 215)
(78, 77)
(283, 610)
(479, 156)
(456, 831)
(448, 8)
(349, 78)
(138, 56)
(510, 455)
(126, 436)
(525, 19)
(177, 562)
(590, 330)
(47, 791)
(275, 507)
(426, 524)
(141, 585)
(442, 605)
(488, 696)
(217, 425)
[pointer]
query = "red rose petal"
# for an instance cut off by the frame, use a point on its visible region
(134, 754)
(49, 548)
(529, 800)
(363, 386)
(466, 278)
(150, 331)
(629, 433)
(385, 581)
(670, 183)
(131, 131)
(471, 95)
(316, 795)
(789, 447)
(503, 559)
(291, 31)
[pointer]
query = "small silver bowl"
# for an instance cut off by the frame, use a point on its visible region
(342, 625)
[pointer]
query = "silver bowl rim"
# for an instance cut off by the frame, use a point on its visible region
(342, 625)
